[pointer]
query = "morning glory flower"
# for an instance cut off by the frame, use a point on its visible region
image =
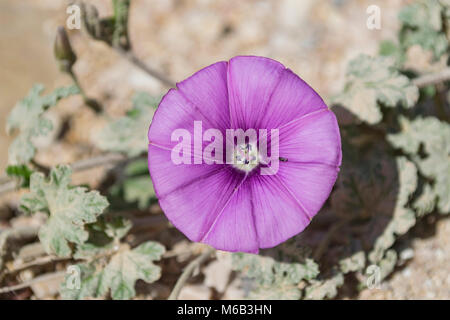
(243, 154)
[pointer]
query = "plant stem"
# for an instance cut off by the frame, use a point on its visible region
(432, 78)
(43, 278)
(187, 272)
(91, 103)
(40, 167)
(14, 233)
(81, 165)
(130, 56)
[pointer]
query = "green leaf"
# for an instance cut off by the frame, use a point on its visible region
(403, 218)
(326, 289)
(386, 266)
(129, 133)
(422, 25)
(20, 172)
(140, 190)
(356, 262)
(273, 279)
(83, 283)
(434, 136)
(135, 186)
(120, 274)
(426, 202)
(120, 34)
(28, 117)
(391, 49)
(371, 81)
(126, 267)
(137, 167)
(69, 208)
(104, 236)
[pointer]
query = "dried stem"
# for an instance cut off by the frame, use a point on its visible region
(432, 79)
(81, 165)
(18, 233)
(35, 263)
(43, 278)
(130, 56)
(187, 272)
(40, 167)
(93, 104)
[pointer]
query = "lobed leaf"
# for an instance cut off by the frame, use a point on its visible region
(28, 118)
(120, 274)
(423, 25)
(129, 133)
(356, 262)
(434, 136)
(136, 186)
(374, 81)
(20, 172)
(403, 218)
(273, 279)
(69, 209)
(320, 290)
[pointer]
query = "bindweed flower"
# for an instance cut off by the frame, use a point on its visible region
(243, 154)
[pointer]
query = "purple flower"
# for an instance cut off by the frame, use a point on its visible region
(234, 207)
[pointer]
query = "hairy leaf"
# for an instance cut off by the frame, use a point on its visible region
(136, 186)
(324, 289)
(434, 136)
(354, 263)
(403, 218)
(140, 190)
(28, 118)
(69, 208)
(119, 275)
(422, 22)
(426, 202)
(273, 279)
(371, 81)
(104, 236)
(129, 133)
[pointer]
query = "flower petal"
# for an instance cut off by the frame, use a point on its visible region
(310, 184)
(293, 98)
(234, 228)
(278, 215)
(201, 97)
(251, 82)
(191, 196)
(313, 138)
(207, 90)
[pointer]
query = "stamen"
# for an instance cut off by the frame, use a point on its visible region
(246, 157)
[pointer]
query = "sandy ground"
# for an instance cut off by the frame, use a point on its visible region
(313, 38)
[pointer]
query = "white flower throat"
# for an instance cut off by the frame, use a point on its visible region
(246, 157)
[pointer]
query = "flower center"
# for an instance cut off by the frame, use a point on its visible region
(246, 157)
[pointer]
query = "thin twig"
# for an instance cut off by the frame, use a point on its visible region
(187, 272)
(432, 78)
(36, 262)
(105, 159)
(93, 104)
(40, 167)
(130, 56)
(81, 165)
(18, 233)
(8, 186)
(43, 278)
